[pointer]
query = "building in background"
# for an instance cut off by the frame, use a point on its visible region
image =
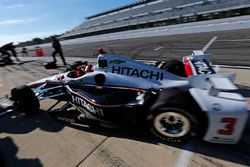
(154, 13)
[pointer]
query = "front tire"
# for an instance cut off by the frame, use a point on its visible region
(174, 116)
(172, 124)
(25, 99)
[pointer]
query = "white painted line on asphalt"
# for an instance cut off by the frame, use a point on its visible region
(185, 156)
(204, 49)
(243, 21)
(156, 49)
(239, 67)
(233, 40)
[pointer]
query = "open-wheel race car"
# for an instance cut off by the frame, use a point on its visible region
(5, 57)
(120, 92)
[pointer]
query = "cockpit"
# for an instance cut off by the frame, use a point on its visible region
(80, 71)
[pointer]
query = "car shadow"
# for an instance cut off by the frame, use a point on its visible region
(3, 65)
(19, 123)
(25, 62)
(235, 153)
(8, 155)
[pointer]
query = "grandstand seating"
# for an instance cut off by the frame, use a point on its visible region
(157, 12)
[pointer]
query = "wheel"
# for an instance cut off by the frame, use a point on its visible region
(175, 67)
(25, 99)
(173, 117)
(172, 124)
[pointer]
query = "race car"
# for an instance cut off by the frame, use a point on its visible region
(5, 54)
(120, 92)
(5, 58)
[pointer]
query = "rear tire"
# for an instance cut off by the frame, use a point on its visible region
(175, 67)
(25, 99)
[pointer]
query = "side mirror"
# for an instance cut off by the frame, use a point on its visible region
(100, 79)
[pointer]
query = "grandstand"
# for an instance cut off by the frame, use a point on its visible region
(153, 13)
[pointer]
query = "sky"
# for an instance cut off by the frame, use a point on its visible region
(22, 20)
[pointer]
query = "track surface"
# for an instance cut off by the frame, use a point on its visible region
(231, 47)
(41, 141)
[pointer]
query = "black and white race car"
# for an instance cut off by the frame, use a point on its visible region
(120, 92)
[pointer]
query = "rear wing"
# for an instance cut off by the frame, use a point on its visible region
(198, 63)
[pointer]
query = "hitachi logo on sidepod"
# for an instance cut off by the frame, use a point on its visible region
(81, 102)
(133, 72)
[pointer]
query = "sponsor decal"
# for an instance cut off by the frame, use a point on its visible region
(134, 72)
(117, 61)
(202, 67)
(86, 105)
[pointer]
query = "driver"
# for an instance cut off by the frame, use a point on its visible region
(81, 70)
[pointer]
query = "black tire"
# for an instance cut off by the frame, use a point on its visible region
(175, 67)
(25, 99)
(174, 117)
(50, 65)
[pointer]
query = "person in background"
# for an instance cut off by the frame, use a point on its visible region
(10, 47)
(25, 52)
(57, 49)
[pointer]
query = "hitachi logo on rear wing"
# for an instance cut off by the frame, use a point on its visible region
(133, 72)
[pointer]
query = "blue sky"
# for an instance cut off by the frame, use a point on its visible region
(22, 20)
